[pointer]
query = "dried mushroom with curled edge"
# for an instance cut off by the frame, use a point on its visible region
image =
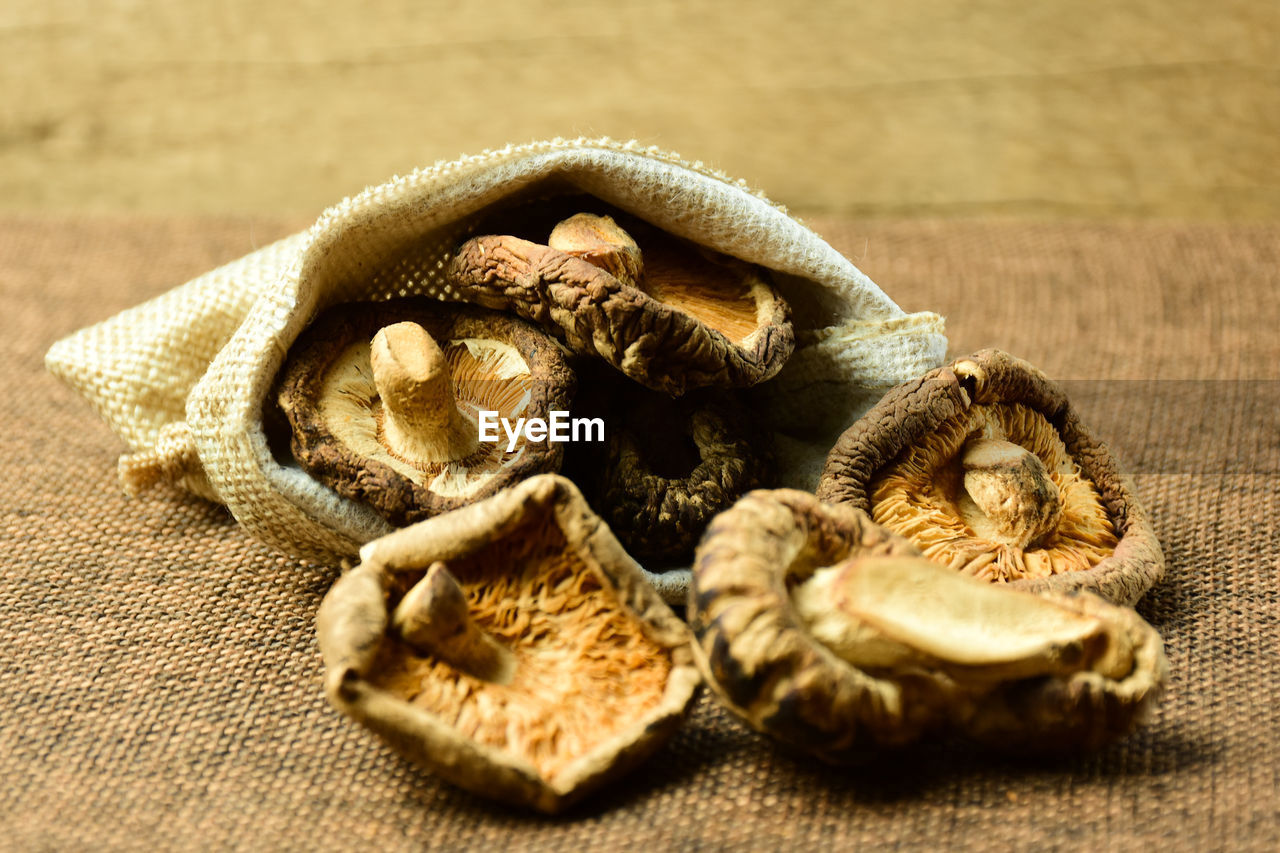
(986, 468)
(383, 401)
(833, 635)
(668, 314)
(670, 466)
(512, 647)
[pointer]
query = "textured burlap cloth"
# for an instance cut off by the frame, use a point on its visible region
(160, 685)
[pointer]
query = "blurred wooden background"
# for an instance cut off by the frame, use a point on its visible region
(1136, 108)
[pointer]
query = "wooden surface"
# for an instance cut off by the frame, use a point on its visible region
(910, 107)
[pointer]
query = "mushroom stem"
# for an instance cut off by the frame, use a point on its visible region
(601, 242)
(421, 418)
(881, 612)
(1018, 502)
(434, 619)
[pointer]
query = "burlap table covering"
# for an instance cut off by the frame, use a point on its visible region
(160, 685)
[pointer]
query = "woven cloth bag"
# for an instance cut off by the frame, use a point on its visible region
(184, 378)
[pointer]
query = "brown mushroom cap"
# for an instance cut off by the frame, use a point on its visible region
(420, 456)
(753, 647)
(512, 647)
(691, 319)
(833, 635)
(601, 242)
(671, 465)
(987, 469)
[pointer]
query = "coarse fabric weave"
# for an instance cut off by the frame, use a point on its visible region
(190, 373)
(161, 684)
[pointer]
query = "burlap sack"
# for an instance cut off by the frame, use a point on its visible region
(184, 379)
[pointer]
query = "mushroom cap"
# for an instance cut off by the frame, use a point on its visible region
(899, 647)
(910, 463)
(752, 646)
(339, 423)
(601, 671)
(694, 319)
(671, 465)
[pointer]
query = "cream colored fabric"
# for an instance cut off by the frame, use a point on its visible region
(208, 351)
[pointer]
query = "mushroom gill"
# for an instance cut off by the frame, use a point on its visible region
(581, 667)
(724, 295)
(994, 493)
(477, 374)
(986, 467)
(511, 646)
(384, 402)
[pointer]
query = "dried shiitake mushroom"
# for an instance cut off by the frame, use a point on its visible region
(670, 315)
(512, 647)
(833, 635)
(986, 468)
(383, 401)
(671, 465)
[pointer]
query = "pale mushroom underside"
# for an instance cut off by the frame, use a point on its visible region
(487, 375)
(584, 668)
(367, 421)
(510, 646)
(921, 496)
